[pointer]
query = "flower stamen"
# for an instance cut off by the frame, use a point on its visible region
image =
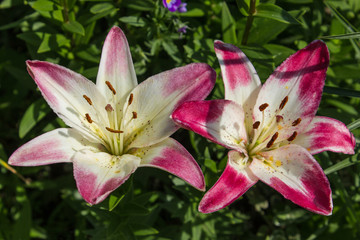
(296, 122)
(256, 125)
(131, 98)
(263, 107)
(113, 130)
(272, 140)
(292, 137)
(88, 118)
(134, 115)
(87, 99)
(283, 103)
(110, 87)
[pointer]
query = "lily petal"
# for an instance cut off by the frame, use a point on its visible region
(116, 66)
(326, 134)
(221, 121)
(297, 83)
(234, 182)
(147, 116)
(171, 156)
(64, 91)
(293, 172)
(97, 174)
(56, 146)
(241, 81)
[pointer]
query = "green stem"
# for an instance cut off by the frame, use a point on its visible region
(249, 22)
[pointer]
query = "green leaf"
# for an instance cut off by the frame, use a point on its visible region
(343, 164)
(143, 230)
(51, 42)
(243, 6)
(228, 25)
(101, 7)
(342, 91)
(343, 36)
(274, 12)
(133, 209)
(114, 201)
(35, 112)
(194, 12)
(354, 125)
(133, 20)
(42, 5)
(141, 5)
(74, 27)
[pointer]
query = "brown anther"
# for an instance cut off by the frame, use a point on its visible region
(110, 87)
(134, 115)
(272, 140)
(263, 107)
(109, 108)
(283, 102)
(88, 118)
(279, 118)
(256, 125)
(131, 98)
(292, 137)
(87, 99)
(113, 130)
(296, 122)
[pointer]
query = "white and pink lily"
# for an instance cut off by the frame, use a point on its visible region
(272, 130)
(115, 125)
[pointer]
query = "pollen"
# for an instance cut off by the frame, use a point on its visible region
(110, 87)
(263, 107)
(272, 140)
(87, 99)
(271, 158)
(88, 118)
(256, 125)
(131, 98)
(134, 115)
(278, 163)
(296, 122)
(283, 102)
(113, 130)
(292, 137)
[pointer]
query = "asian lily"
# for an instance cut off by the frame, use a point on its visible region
(115, 125)
(272, 130)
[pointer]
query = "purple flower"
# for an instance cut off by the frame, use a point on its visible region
(175, 5)
(182, 29)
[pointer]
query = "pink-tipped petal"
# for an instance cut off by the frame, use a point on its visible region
(56, 146)
(293, 172)
(234, 182)
(296, 84)
(242, 84)
(97, 174)
(221, 121)
(116, 66)
(326, 134)
(155, 99)
(64, 91)
(171, 156)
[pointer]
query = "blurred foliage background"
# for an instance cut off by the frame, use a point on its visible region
(43, 203)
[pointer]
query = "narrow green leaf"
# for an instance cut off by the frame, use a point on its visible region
(243, 6)
(354, 125)
(101, 7)
(114, 201)
(343, 164)
(74, 27)
(228, 25)
(194, 12)
(274, 12)
(342, 91)
(32, 116)
(42, 5)
(133, 20)
(343, 36)
(143, 230)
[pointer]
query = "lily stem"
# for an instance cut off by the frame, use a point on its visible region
(249, 21)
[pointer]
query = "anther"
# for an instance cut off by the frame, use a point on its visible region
(109, 108)
(88, 118)
(256, 125)
(131, 98)
(110, 87)
(292, 137)
(134, 115)
(263, 107)
(272, 140)
(279, 118)
(296, 122)
(87, 99)
(283, 102)
(113, 130)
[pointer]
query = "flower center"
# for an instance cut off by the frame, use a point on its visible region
(109, 129)
(271, 134)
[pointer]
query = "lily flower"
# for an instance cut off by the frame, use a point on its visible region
(272, 130)
(115, 125)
